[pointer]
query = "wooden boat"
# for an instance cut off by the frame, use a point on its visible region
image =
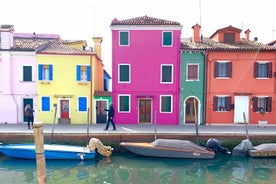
(57, 151)
(51, 151)
(169, 148)
(263, 150)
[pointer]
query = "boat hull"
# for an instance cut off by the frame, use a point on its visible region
(148, 149)
(27, 151)
(263, 150)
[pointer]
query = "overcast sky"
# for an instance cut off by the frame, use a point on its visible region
(84, 19)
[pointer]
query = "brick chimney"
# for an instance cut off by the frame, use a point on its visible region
(97, 46)
(6, 36)
(196, 36)
(247, 33)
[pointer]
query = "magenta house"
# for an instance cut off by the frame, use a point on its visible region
(145, 70)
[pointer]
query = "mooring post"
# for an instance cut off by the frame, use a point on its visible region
(40, 157)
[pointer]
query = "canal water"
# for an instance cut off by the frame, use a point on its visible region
(127, 168)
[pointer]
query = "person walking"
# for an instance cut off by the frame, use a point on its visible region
(29, 113)
(110, 117)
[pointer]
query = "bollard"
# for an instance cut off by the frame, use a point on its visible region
(40, 157)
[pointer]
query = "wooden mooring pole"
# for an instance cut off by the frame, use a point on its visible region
(40, 157)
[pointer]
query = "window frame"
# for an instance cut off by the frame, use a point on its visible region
(78, 73)
(164, 39)
(266, 105)
(24, 77)
(81, 109)
(187, 71)
(228, 70)
(119, 103)
(226, 107)
(119, 73)
(121, 42)
(161, 104)
(41, 72)
(161, 74)
(268, 69)
(48, 106)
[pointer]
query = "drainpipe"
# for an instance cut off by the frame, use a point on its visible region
(205, 54)
(91, 95)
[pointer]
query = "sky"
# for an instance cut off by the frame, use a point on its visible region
(84, 19)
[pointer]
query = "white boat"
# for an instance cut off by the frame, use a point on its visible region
(169, 148)
(263, 150)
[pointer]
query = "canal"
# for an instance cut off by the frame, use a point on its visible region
(127, 168)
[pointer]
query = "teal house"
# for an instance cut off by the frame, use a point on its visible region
(192, 80)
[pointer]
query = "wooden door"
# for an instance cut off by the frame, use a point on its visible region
(64, 109)
(145, 111)
(101, 114)
(190, 107)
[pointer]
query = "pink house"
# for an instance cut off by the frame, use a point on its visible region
(145, 70)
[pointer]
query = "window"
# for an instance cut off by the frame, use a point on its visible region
(223, 69)
(83, 73)
(27, 73)
(45, 72)
(82, 104)
(166, 103)
(167, 38)
(166, 73)
(192, 72)
(229, 37)
(221, 103)
(262, 104)
(124, 103)
(124, 38)
(45, 103)
(124, 73)
(262, 70)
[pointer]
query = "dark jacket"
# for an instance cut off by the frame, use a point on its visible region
(110, 111)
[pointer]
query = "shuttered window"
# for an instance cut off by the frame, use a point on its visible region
(124, 103)
(262, 104)
(223, 69)
(45, 103)
(167, 38)
(166, 103)
(221, 103)
(45, 72)
(83, 73)
(192, 72)
(82, 104)
(27, 73)
(262, 70)
(123, 38)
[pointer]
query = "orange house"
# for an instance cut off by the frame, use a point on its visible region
(241, 79)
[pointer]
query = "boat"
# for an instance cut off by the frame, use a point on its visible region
(57, 151)
(169, 148)
(263, 150)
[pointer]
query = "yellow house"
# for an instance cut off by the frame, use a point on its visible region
(67, 79)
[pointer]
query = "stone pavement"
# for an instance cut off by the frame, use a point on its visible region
(139, 132)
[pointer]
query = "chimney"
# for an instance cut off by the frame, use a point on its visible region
(6, 36)
(97, 46)
(196, 37)
(247, 32)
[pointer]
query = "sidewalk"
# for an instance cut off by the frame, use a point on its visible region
(138, 132)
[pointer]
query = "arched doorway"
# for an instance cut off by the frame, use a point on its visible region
(191, 110)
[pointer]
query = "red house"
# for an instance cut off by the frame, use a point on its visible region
(241, 78)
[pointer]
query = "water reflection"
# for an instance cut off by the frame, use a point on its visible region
(132, 169)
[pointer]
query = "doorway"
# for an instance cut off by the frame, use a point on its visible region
(101, 115)
(64, 112)
(191, 110)
(145, 110)
(241, 106)
(25, 102)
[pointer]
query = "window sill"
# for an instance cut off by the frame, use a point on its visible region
(45, 82)
(83, 82)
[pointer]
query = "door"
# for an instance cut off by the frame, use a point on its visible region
(191, 105)
(25, 102)
(101, 114)
(145, 111)
(241, 106)
(64, 108)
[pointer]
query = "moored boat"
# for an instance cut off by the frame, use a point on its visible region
(169, 148)
(263, 150)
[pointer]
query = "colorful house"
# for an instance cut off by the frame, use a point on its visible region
(67, 80)
(145, 68)
(192, 81)
(240, 78)
(18, 72)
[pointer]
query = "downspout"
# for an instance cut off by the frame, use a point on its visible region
(205, 54)
(91, 95)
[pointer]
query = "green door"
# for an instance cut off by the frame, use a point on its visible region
(25, 102)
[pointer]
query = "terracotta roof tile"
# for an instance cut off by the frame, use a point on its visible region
(144, 20)
(102, 93)
(209, 44)
(28, 44)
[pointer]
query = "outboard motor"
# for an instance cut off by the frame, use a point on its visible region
(214, 145)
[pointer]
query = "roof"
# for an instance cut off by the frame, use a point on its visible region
(102, 93)
(228, 28)
(144, 20)
(209, 44)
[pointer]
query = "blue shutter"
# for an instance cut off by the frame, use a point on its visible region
(40, 68)
(50, 72)
(78, 73)
(88, 69)
(45, 103)
(82, 104)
